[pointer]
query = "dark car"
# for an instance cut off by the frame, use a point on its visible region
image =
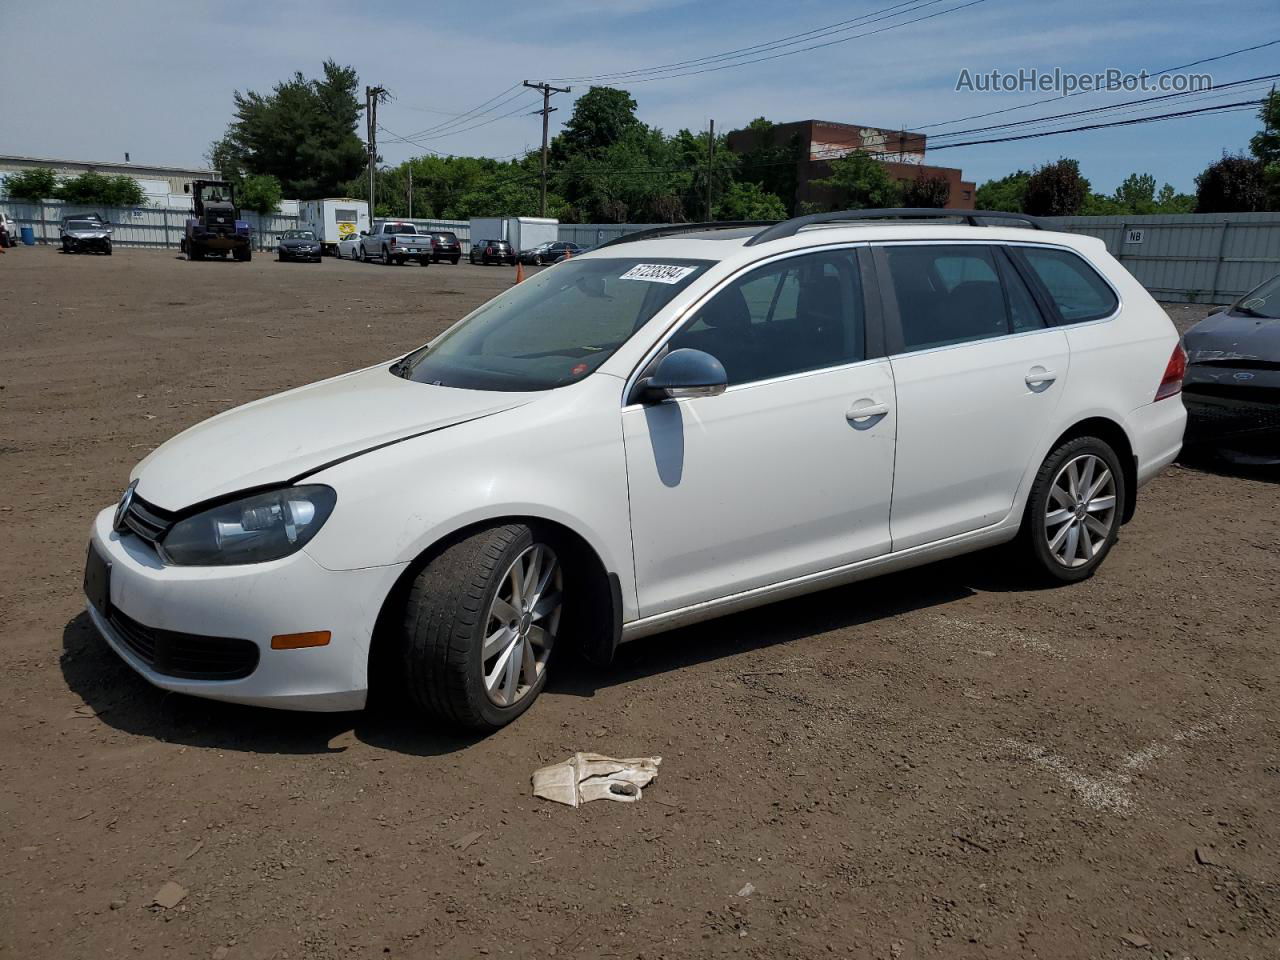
(1232, 386)
(492, 251)
(299, 245)
(88, 234)
(445, 246)
(576, 251)
(549, 252)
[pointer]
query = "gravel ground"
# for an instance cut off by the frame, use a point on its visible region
(939, 763)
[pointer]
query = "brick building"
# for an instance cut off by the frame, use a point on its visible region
(821, 141)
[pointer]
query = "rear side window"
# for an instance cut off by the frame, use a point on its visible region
(950, 294)
(1071, 283)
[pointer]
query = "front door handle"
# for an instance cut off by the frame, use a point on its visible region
(863, 411)
(1040, 379)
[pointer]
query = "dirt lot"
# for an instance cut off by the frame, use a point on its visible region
(941, 763)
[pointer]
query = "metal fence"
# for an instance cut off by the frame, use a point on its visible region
(1189, 258)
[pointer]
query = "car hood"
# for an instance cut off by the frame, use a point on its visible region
(293, 434)
(1226, 336)
(87, 234)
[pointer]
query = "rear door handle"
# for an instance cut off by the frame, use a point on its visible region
(1040, 378)
(863, 410)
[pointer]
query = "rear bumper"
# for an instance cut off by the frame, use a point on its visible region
(1156, 430)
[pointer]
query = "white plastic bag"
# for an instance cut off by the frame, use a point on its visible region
(590, 776)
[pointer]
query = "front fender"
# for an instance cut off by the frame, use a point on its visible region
(558, 458)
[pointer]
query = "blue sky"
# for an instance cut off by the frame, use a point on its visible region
(93, 80)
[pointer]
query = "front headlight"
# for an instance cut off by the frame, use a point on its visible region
(265, 526)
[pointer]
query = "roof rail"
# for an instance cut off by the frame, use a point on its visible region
(671, 229)
(789, 228)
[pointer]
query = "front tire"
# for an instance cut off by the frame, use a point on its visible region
(1074, 512)
(480, 623)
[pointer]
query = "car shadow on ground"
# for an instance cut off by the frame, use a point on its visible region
(123, 700)
(1207, 461)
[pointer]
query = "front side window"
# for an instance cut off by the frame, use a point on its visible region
(953, 293)
(553, 329)
(1074, 286)
(802, 313)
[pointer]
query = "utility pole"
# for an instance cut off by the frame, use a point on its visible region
(372, 97)
(546, 111)
(711, 157)
(411, 191)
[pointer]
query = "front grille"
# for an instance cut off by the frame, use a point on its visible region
(147, 521)
(186, 656)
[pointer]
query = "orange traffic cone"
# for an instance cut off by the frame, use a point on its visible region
(568, 254)
(519, 272)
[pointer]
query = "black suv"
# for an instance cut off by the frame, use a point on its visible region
(492, 251)
(445, 246)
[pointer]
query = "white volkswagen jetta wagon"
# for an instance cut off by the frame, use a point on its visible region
(680, 424)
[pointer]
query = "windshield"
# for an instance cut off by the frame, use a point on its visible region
(1264, 301)
(553, 329)
(299, 235)
(84, 225)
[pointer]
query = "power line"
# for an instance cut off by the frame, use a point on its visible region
(474, 113)
(1221, 108)
(1036, 103)
(756, 48)
(1109, 107)
(816, 46)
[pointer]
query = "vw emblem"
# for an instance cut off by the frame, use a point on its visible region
(117, 522)
(1243, 376)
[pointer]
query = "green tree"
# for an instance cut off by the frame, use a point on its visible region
(1137, 193)
(924, 191)
(861, 182)
(1234, 184)
(1005, 194)
(601, 117)
(1169, 200)
(1265, 147)
(747, 201)
(1056, 190)
(774, 162)
(37, 183)
(260, 192)
(303, 133)
(96, 189)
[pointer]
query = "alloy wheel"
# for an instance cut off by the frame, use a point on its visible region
(1081, 511)
(521, 625)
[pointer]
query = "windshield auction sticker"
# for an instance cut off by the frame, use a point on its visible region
(657, 273)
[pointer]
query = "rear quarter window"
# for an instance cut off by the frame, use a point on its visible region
(1074, 286)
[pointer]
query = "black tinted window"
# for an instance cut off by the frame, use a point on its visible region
(1074, 286)
(803, 313)
(951, 294)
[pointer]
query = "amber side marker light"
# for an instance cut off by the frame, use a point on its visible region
(296, 641)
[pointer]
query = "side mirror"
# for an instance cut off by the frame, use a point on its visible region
(683, 373)
(1215, 310)
(364, 233)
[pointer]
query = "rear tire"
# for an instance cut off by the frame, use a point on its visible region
(1074, 511)
(480, 625)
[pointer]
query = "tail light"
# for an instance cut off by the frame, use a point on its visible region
(1171, 382)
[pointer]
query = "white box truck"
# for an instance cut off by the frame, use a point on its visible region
(333, 219)
(523, 233)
